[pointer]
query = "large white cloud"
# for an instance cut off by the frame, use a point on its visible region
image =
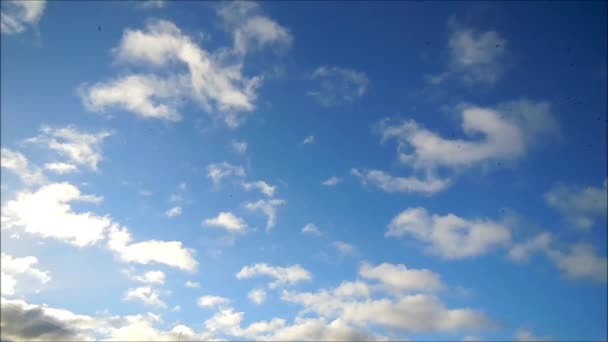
(449, 236)
(17, 15)
(282, 275)
(579, 205)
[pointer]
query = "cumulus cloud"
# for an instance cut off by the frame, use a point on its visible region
(399, 279)
(211, 301)
(192, 284)
(523, 251)
(79, 147)
(389, 183)
(150, 277)
(337, 85)
(258, 296)
(449, 236)
(174, 211)
(311, 229)
(579, 205)
(332, 181)
(18, 164)
(218, 171)
(47, 213)
(282, 275)
(581, 261)
(60, 168)
(17, 15)
(13, 267)
(268, 208)
(147, 295)
(170, 253)
(239, 147)
(262, 186)
(227, 221)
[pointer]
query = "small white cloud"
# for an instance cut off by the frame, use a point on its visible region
(522, 251)
(192, 284)
(258, 296)
(390, 184)
(581, 262)
(332, 181)
(282, 275)
(345, 249)
(308, 140)
(262, 186)
(218, 171)
(579, 205)
(211, 301)
(147, 295)
(526, 335)
(12, 267)
(17, 15)
(311, 229)
(398, 279)
(239, 147)
(227, 221)
(268, 208)
(60, 168)
(449, 236)
(18, 164)
(338, 85)
(152, 4)
(173, 212)
(150, 277)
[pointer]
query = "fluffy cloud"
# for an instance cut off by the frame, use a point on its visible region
(192, 284)
(239, 147)
(218, 171)
(522, 251)
(282, 275)
(332, 181)
(81, 148)
(311, 229)
(170, 253)
(17, 15)
(12, 267)
(390, 184)
(398, 279)
(262, 186)
(60, 168)
(251, 29)
(580, 261)
(257, 296)
(218, 87)
(338, 85)
(18, 164)
(173, 212)
(579, 205)
(211, 301)
(47, 213)
(345, 249)
(228, 221)
(147, 295)
(449, 236)
(150, 277)
(268, 208)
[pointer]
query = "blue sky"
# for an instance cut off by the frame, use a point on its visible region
(304, 170)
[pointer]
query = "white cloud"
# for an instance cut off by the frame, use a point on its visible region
(47, 213)
(192, 284)
(12, 267)
(399, 279)
(228, 221)
(150, 277)
(218, 171)
(308, 140)
(449, 236)
(258, 296)
(345, 249)
(282, 275)
(225, 321)
(525, 335)
(390, 184)
(268, 208)
(173, 212)
(311, 229)
(579, 205)
(211, 301)
(332, 181)
(81, 148)
(251, 29)
(170, 253)
(18, 164)
(338, 85)
(581, 262)
(60, 168)
(264, 187)
(147, 295)
(522, 251)
(239, 147)
(17, 15)
(152, 4)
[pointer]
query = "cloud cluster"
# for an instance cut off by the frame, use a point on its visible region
(17, 15)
